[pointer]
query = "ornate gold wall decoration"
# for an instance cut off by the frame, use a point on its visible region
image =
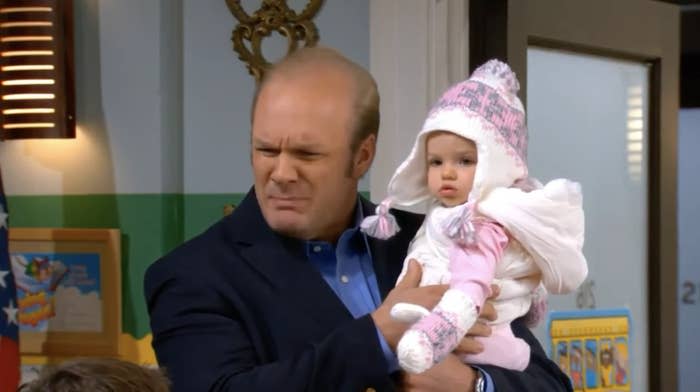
(273, 15)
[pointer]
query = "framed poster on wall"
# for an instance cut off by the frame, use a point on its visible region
(68, 290)
(592, 348)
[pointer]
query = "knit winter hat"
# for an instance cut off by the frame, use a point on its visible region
(484, 109)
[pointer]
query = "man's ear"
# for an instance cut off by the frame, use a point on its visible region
(364, 156)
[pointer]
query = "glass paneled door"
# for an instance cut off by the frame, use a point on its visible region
(600, 83)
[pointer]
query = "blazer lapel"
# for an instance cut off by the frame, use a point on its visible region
(387, 256)
(282, 262)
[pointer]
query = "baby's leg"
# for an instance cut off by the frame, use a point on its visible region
(502, 349)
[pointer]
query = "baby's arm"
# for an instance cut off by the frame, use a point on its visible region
(433, 272)
(549, 223)
(472, 266)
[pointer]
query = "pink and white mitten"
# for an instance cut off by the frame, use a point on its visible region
(428, 341)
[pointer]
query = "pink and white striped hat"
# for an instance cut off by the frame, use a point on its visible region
(485, 109)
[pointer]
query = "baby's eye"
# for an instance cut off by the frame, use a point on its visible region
(466, 161)
(435, 162)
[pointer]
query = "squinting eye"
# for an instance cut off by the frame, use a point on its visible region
(268, 152)
(466, 162)
(435, 162)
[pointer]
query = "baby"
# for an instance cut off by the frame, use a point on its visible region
(486, 222)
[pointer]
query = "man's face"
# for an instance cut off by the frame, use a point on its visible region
(451, 163)
(305, 174)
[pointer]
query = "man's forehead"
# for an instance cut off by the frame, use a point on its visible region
(324, 82)
(293, 136)
(306, 114)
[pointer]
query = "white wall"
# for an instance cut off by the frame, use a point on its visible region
(118, 110)
(162, 100)
(218, 88)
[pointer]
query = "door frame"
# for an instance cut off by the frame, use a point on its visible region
(644, 31)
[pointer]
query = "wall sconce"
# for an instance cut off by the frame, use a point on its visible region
(37, 94)
(273, 15)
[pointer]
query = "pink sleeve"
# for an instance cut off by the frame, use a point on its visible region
(472, 267)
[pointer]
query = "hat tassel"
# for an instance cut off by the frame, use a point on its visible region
(460, 227)
(382, 225)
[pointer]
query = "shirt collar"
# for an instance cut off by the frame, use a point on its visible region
(359, 214)
(353, 227)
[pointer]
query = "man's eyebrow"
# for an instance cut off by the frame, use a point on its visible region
(295, 148)
(262, 143)
(306, 147)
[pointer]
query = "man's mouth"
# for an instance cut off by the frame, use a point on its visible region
(285, 202)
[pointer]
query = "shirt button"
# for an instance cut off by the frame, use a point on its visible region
(344, 278)
(317, 248)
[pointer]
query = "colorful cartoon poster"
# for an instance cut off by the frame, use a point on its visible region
(591, 363)
(591, 347)
(606, 363)
(58, 291)
(561, 355)
(576, 365)
(621, 361)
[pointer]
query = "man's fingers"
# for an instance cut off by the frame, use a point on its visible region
(426, 296)
(488, 311)
(412, 276)
(437, 289)
(495, 291)
(479, 329)
(432, 293)
(469, 345)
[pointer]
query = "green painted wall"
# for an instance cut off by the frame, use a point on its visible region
(201, 210)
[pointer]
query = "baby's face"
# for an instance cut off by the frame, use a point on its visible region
(451, 163)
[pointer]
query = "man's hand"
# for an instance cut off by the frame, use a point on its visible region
(406, 290)
(449, 375)
(470, 345)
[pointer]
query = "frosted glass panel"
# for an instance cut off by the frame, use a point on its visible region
(688, 249)
(587, 118)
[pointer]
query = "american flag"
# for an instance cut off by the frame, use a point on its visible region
(9, 329)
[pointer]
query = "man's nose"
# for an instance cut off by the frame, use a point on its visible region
(284, 170)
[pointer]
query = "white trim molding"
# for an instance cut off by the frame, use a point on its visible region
(417, 49)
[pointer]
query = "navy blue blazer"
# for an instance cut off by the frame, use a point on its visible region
(239, 308)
